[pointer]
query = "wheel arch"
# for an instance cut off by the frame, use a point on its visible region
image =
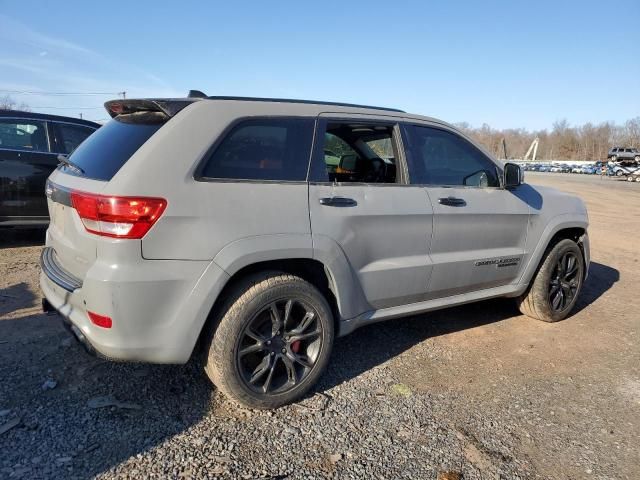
(321, 262)
(309, 269)
(562, 227)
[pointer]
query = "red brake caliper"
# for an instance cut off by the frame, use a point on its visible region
(295, 346)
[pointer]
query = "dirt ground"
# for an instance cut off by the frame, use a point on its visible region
(512, 397)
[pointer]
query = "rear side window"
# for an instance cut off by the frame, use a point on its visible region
(70, 136)
(263, 149)
(23, 134)
(109, 148)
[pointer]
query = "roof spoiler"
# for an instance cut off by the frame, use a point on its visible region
(166, 107)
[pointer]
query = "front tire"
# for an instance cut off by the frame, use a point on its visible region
(273, 341)
(555, 288)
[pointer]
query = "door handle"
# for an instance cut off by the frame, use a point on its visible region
(452, 201)
(338, 202)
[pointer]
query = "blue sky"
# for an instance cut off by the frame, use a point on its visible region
(505, 63)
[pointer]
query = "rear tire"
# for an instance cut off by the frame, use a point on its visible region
(555, 288)
(273, 341)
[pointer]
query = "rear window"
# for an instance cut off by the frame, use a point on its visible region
(108, 149)
(263, 149)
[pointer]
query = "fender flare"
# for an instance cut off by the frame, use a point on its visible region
(556, 224)
(343, 282)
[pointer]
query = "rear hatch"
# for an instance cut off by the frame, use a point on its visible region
(74, 188)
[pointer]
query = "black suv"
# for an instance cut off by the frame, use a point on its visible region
(29, 147)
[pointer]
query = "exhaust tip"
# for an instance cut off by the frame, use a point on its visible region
(47, 307)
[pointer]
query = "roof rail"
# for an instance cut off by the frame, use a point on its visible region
(312, 102)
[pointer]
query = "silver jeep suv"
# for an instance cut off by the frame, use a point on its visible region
(261, 229)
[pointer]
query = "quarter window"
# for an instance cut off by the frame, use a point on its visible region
(440, 157)
(22, 134)
(264, 149)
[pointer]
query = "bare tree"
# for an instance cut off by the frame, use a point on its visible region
(8, 103)
(562, 142)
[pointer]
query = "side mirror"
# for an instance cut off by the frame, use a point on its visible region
(513, 175)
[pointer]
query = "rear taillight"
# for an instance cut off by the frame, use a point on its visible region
(119, 217)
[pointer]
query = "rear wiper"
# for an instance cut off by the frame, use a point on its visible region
(68, 163)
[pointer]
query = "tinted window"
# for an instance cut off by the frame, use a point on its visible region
(439, 157)
(109, 148)
(263, 149)
(22, 134)
(70, 136)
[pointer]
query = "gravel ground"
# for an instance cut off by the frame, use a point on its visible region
(472, 392)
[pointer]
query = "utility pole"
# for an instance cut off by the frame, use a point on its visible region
(80, 115)
(124, 95)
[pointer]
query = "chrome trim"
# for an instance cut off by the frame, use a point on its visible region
(27, 151)
(57, 274)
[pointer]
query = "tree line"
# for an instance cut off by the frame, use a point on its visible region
(562, 142)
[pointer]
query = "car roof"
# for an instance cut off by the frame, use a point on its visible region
(274, 106)
(301, 101)
(47, 117)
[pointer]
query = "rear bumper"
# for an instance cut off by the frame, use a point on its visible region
(158, 307)
(56, 273)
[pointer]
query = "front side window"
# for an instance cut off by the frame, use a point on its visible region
(23, 134)
(70, 136)
(355, 152)
(440, 157)
(263, 149)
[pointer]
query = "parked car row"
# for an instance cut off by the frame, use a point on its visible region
(589, 169)
(613, 169)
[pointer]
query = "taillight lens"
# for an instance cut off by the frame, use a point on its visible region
(100, 320)
(118, 217)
